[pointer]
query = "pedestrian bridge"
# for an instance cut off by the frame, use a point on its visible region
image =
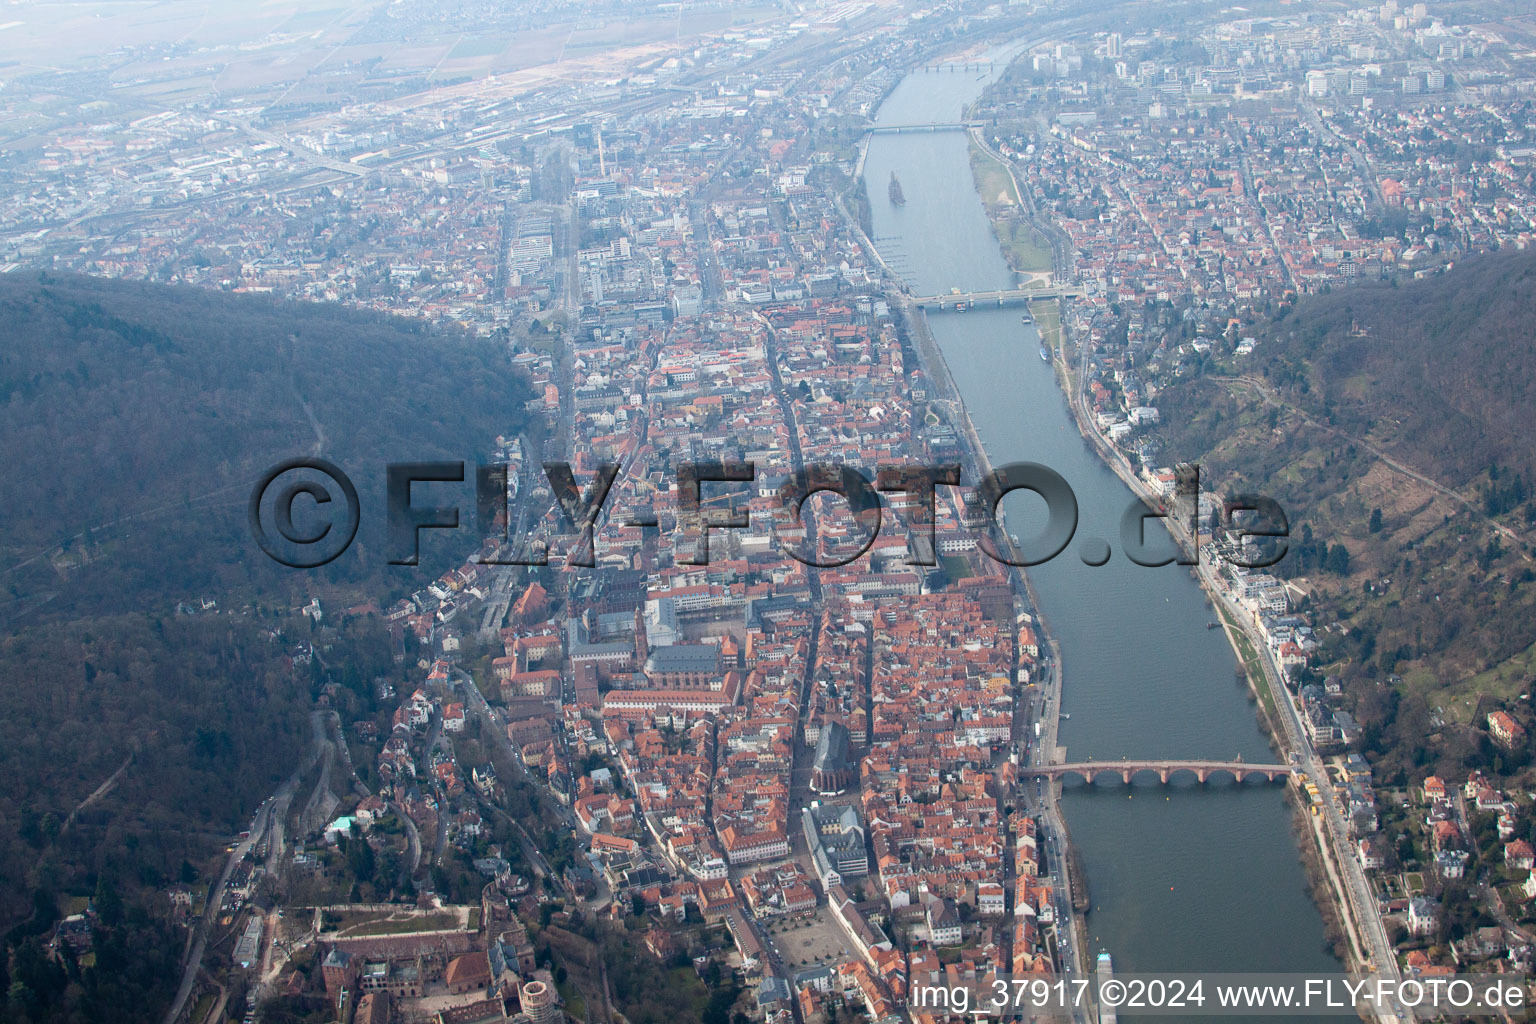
(1001, 297)
(1125, 771)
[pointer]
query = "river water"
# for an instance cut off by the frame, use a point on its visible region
(1182, 877)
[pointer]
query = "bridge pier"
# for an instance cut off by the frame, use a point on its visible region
(1163, 775)
(1202, 774)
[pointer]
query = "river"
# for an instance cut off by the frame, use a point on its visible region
(1182, 877)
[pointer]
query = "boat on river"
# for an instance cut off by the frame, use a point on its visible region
(1105, 969)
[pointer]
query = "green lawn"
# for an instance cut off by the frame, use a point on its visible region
(1506, 680)
(992, 179)
(1030, 248)
(1047, 316)
(956, 566)
(1026, 247)
(575, 1006)
(1252, 665)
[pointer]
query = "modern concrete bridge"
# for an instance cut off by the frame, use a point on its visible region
(1002, 297)
(1125, 771)
(974, 65)
(923, 126)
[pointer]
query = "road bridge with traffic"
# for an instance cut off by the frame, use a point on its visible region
(922, 126)
(999, 297)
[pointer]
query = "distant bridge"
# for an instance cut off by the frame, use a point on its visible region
(923, 126)
(975, 65)
(1089, 771)
(1002, 297)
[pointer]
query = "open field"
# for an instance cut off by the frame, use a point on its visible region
(479, 46)
(1047, 316)
(1030, 249)
(1026, 247)
(992, 180)
(80, 33)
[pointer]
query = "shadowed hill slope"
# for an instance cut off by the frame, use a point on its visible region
(134, 421)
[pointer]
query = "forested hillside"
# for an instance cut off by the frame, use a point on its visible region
(134, 421)
(1440, 371)
(1394, 423)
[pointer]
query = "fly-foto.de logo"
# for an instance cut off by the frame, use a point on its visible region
(305, 512)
